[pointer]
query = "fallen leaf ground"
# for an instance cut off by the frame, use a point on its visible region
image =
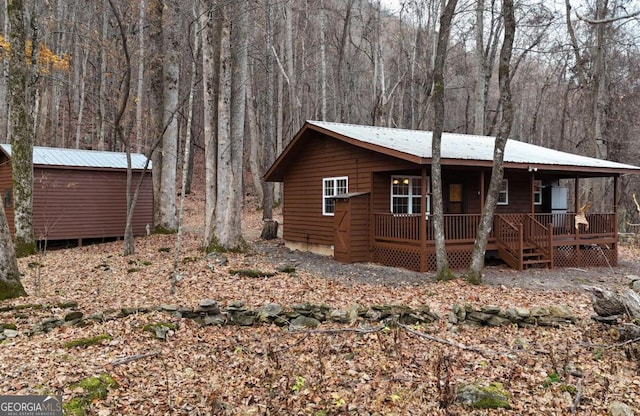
(270, 370)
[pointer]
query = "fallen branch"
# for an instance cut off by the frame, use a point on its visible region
(125, 360)
(481, 351)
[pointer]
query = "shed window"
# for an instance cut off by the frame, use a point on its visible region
(406, 194)
(332, 187)
(503, 193)
(537, 192)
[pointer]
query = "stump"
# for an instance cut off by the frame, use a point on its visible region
(608, 304)
(269, 230)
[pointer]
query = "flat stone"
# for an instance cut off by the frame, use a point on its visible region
(169, 307)
(304, 322)
(338, 315)
(215, 320)
(539, 311)
(635, 285)
(208, 303)
(493, 396)
(620, 409)
(497, 321)
(72, 316)
(478, 316)
(560, 312)
(10, 333)
(490, 309)
(242, 319)
(270, 310)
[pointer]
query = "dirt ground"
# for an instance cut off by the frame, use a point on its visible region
(565, 279)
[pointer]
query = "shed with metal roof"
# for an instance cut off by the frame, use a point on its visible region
(81, 194)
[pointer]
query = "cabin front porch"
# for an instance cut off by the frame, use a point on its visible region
(521, 240)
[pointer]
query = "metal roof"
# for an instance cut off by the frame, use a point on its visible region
(53, 156)
(463, 146)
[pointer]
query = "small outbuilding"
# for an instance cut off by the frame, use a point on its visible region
(80, 194)
(363, 193)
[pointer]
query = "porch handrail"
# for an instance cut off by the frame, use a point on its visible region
(509, 236)
(539, 235)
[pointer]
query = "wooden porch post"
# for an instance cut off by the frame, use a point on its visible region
(576, 194)
(532, 206)
(423, 221)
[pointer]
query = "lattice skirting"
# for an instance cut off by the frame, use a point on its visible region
(585, 256)
(409, 257)
(405, 257)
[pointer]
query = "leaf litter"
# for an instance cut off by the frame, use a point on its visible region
(266, 369)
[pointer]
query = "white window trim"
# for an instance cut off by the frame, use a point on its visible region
(334, 180)
(504, 189)
(538, 192)
(411, 196)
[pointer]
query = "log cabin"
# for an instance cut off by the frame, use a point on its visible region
(362, 194)
(80, 194)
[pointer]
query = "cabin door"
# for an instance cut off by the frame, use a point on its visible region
(351, 229)
(455, 201)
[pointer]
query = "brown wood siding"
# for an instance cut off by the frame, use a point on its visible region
(6, 184)
(81, 204)
(519, 193)
(70, 204)
(325, 157)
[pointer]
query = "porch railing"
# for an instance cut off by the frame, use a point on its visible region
(563, 224)
(406, 227)
(463, 227)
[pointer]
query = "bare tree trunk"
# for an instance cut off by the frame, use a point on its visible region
(254, 146)
(10, 286)
(22, 86)
(156, 106)
(81, 97)
(443, 271)
(323, 64)
(239, 64)
(4, 69)
(225, 152)
(167, 219)
(479, 105)
(102, 88)
(140, 142)
(210, 72)
(269, 142)
(474, 274)
(129, 242)
(187, 149)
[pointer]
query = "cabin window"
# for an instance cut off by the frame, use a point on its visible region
(406, 194)
(332, 187)
(503, 193)
(537, 192)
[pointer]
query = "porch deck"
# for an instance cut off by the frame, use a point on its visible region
(521, 240)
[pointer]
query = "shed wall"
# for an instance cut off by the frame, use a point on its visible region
(81, 204)
(70, 204)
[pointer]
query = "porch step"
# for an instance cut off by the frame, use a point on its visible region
(537, 261)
